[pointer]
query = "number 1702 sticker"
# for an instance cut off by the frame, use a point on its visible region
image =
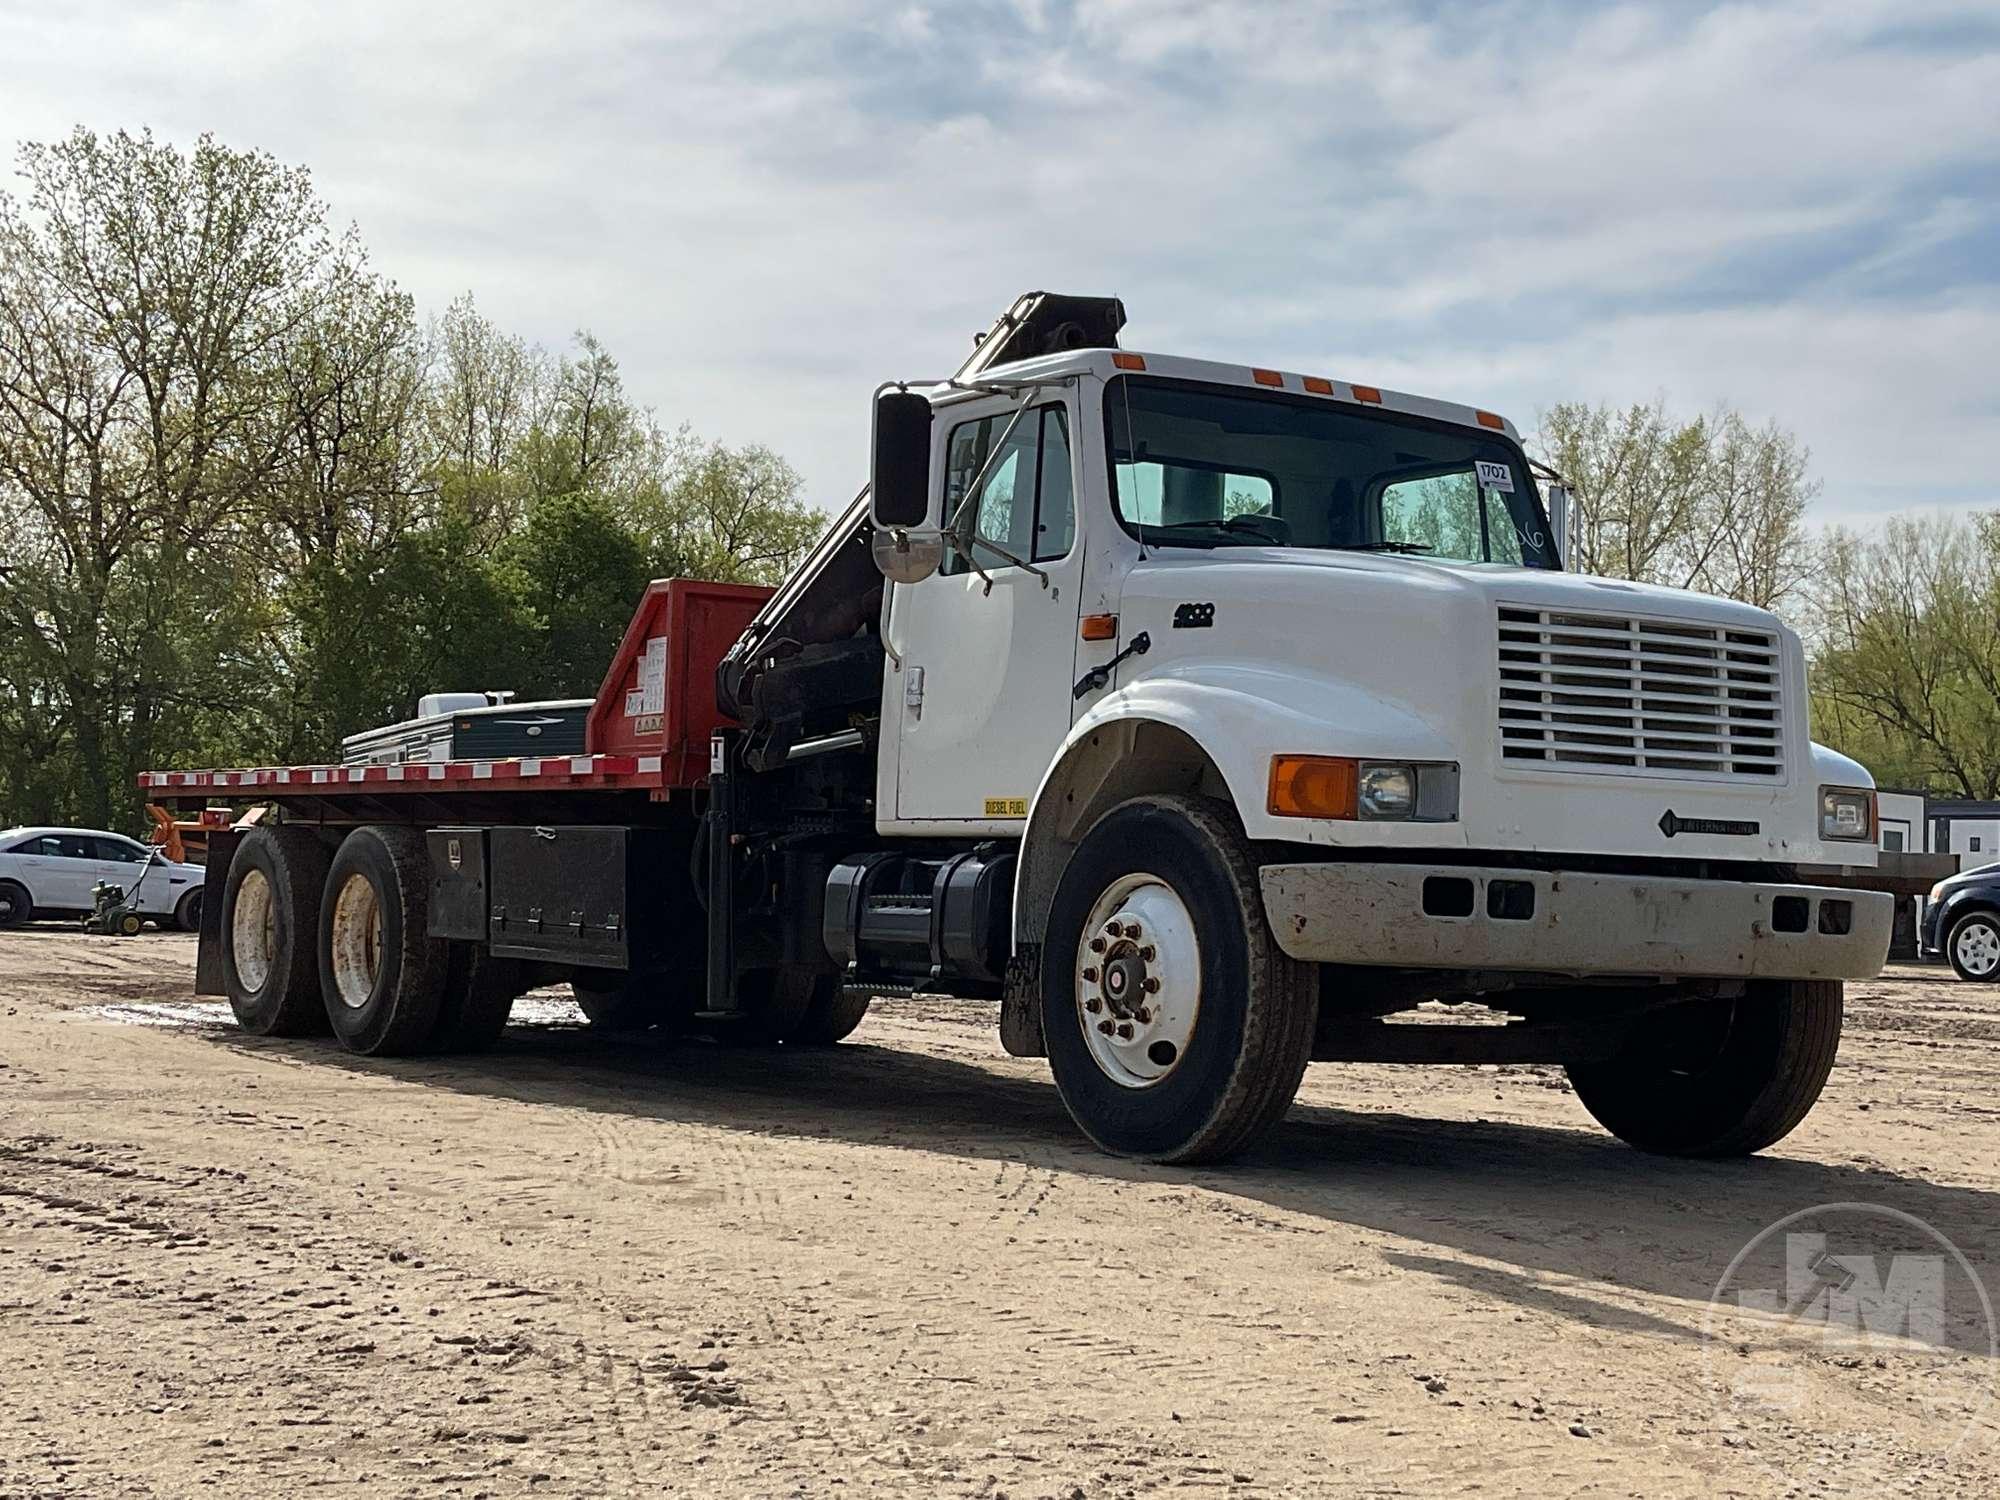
(1495, 476)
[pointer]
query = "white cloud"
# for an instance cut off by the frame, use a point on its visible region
(765, 212)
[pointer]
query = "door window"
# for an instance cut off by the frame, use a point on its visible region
(118, 849)
(1026, 505)
(58, 846)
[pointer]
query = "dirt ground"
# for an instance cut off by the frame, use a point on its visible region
(239, 1267)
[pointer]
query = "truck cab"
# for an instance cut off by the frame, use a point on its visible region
(1309, 642)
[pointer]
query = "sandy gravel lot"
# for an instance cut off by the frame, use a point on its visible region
(234, 1267)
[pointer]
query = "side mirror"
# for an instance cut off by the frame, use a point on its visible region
(900, 472)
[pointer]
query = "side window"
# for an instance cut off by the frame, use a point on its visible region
(1055, 503)
(1025, 506)
(119, 850)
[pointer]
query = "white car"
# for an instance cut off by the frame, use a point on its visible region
(50, 870)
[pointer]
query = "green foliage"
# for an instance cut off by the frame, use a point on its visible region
(250, 504)
(1906, 677)
(1712, 504)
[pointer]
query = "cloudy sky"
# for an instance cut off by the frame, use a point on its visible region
(766, 209)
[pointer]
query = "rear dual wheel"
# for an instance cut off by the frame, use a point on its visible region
(312, 941)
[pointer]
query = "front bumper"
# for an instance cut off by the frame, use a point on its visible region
(1460, 917)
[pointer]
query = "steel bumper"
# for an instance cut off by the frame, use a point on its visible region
(1459, 917)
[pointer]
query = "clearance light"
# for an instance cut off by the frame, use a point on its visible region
(1129, 361)
(1319, 385)
(1367, 393)
(1267, 377)
(1099, 628)
(1487, 419)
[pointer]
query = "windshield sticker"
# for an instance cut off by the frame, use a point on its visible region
(1495, 476)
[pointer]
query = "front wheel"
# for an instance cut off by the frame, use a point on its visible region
(15, 907)
(1719, 1077)
(1974, 947)
(1177, 1029)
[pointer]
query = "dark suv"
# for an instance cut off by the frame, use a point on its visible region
(1962, 921)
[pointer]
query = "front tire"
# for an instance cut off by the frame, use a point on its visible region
(381, 971)
(1719, 1078)
(1177, 1029)
(15, 906)
(831, 1015)
(1973, 947)
(270, 918)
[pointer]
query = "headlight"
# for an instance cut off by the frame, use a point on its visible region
(1393, 791)
(1386, 790)
(1846, 814)
(1935, 894)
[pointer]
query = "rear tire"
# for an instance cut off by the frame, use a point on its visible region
(1212, 1021)
(381, 971)
(831, 1014)
(1973, 946)
(1722, 1077)
(270, 920)
(620, 1003)
(187, 915)
(15, 907)
(479, 992)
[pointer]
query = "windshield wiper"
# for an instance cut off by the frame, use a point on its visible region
(1405, 547)
(1241, 525)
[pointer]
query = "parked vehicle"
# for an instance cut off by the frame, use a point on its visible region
(51, 871)
(1962, 923)
(1208, 716)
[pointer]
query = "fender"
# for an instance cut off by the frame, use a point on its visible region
(1209, 726)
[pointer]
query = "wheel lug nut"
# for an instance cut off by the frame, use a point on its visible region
(1097, 945)
(1146, 954)
(1132, 930)
(1125, 1032)
(1106, 1027)
(1152, 985)
(1116, 929)
(1142, 1015)
(1093, 1005)
(1090, 974)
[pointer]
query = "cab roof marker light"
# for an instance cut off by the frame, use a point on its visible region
(1129, 361)
(1488, 419)
(1266, 377)
(1319, 385)
(1367, 393)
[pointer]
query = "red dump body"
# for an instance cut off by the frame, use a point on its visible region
(647, 732)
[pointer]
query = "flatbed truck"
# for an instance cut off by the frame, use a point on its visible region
(1210, 717)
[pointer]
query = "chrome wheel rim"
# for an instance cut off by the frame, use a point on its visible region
(253, 930)
(1138, 981)
(1976, 946)
(355, 945)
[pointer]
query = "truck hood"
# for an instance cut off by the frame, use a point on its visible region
(1540, 586)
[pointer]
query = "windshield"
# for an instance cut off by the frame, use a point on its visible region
(1208, 466)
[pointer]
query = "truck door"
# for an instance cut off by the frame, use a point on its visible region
(983, 698)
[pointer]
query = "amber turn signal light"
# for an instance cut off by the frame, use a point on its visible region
(1312, 786)
(1099, 628)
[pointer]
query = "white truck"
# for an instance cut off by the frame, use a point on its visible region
(1209, 716)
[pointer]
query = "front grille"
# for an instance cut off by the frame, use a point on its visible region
(1620, 694)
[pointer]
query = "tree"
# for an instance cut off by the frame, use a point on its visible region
(1906, 674)
(1712, 504)
(729, 513)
